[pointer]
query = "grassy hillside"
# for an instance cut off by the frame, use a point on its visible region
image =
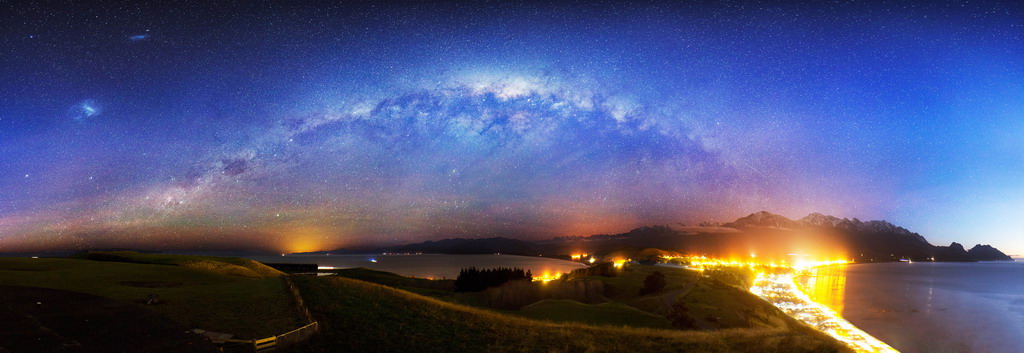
(196, 291)
(363, 316)
(248, 299)
(711, 302)
(708, 301)
(625, 286)
(610, 313)
(397, 281)
(231, 266)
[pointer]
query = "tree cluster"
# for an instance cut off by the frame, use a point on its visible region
(653, 283)
(475, 280)
(606, 269)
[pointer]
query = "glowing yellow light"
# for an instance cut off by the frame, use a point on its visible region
(779, 288)
(826, 285)
(782, 291)
(592, 260)
(547, 277)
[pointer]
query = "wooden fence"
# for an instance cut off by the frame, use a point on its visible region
(297, 299)
(286, 339)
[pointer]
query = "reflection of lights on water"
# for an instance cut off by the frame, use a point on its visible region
(776, 284)
(782, 291)
(825, 285)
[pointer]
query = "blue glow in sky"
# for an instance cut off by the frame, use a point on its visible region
(296, 128)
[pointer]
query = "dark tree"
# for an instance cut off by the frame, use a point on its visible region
(680, 316)
(606, 269)
(475, 280)
(653, 283)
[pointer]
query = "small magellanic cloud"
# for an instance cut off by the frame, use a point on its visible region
(84, 109)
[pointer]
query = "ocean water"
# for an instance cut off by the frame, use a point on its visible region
(930, 307)
(429, 265)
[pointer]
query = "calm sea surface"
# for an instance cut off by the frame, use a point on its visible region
(429, 265)
(930, 307)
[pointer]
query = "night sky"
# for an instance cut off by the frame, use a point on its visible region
(270, 125)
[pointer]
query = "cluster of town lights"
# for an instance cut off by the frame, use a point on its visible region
(583, 257)
(702, 262)
(547, 277)
(776, 283)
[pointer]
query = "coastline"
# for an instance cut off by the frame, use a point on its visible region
(784, 291)
(934, 306)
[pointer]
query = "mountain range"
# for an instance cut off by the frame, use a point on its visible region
(762, 234)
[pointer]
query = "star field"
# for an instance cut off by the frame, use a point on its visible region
(293, 127)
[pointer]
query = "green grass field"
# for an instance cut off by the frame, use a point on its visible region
(626, 285)
(367, 317)
(711, 303)
(609, 314)
(245, 298)
(249, 299)
(232, 266)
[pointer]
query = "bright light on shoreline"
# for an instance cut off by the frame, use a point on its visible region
(776, 284)
(547, 277)
(781, 290)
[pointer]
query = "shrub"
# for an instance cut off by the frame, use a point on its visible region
(680, 316)
(606, 269)
(653, 283)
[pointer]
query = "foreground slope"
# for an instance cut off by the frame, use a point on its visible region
(50, 320)
(362, 316)
(236, 296)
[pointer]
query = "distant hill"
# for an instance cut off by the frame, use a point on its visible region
(230, 266)
(874, 240)
(765, 219)
(451, 246)
(762, 233)
(987, 252)
(469, 246)
(365, 316)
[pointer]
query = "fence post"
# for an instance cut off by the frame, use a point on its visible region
(265, 345)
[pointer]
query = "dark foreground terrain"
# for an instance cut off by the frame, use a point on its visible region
(96, 303)
(50, 320)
